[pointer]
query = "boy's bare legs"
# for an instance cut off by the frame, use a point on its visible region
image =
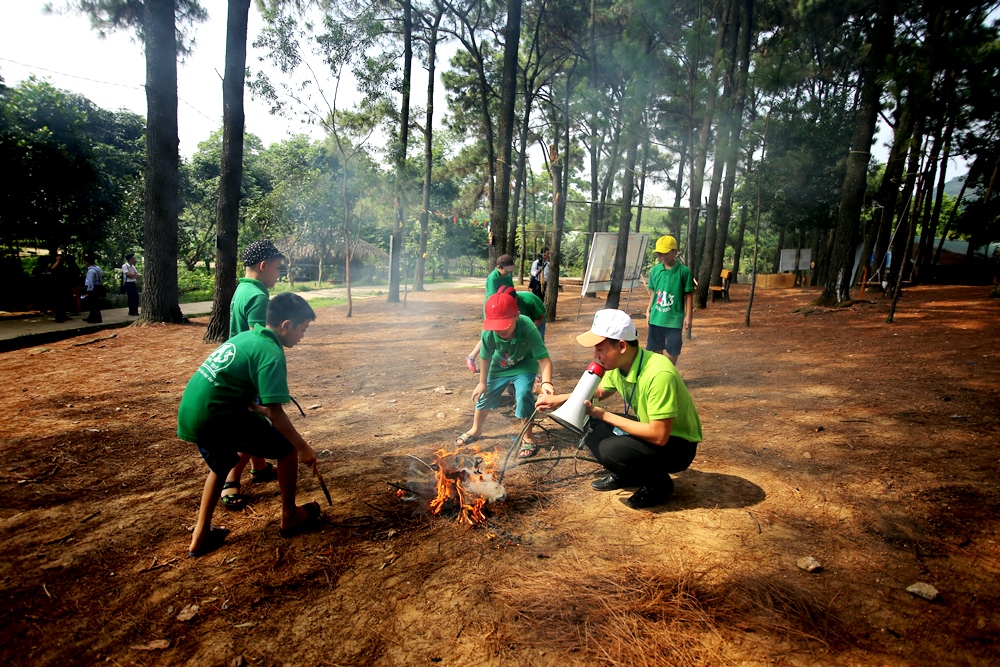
(477, 424)
(288, 475)
(256, 463)
(209, 498)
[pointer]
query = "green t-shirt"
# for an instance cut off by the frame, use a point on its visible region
(670, 286)
(248, 365)
(659, 394)
(529, 305)
(517, 356)
(495, 281)
(248, 307)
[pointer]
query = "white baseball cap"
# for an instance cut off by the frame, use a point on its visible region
(609, 323)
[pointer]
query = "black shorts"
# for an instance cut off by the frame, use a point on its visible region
(222, 442)
(664, 338)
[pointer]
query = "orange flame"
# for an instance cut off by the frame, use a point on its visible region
(453, 471)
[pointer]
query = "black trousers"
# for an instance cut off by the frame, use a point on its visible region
(132, 290)
(637, 462)
(93, 304)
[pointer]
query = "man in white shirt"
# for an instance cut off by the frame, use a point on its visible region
(130, 275)
(540, 273)
(95, 290)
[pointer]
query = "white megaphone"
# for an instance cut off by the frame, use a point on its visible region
(573, 413)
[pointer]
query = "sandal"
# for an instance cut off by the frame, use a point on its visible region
(311, 522)
(466, 439)
(471, 364)
(233, 502)
(528, 449)
(216, 536)
(264, 474)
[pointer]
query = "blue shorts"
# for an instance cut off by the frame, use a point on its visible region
(664, 338)
(541, 329)
(524, 385)
(220, 443)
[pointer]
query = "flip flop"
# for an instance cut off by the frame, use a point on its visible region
(466, 439)
(264, 474)
(234, 502)
(311, 522)
(471, 364)
(216, 536)
(528, 449)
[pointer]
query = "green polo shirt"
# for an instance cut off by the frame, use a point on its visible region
(529, 305)
(495, 281)
(248, 307)
(659, 393)
(670, 286)
(517, 356)
(248, 365)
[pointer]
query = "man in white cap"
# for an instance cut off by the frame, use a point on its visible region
(671, 300)
(658, 433)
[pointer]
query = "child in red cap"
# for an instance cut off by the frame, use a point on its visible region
(513, 352)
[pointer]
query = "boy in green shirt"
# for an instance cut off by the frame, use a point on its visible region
(512, 352)
(671, 300)
(499, 277)
(660, 430)
(219, 415)
(262, 266)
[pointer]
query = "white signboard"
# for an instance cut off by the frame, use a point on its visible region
(787, 261)
(603, 249)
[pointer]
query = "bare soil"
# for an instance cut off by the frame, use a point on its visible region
(871, 447)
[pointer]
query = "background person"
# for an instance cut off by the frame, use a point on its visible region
(130, 276)
(539, 274)
(671, 300)
(660, 430)
(94, 290)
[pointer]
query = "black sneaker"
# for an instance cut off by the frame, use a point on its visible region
(648, 496)
(609, 483)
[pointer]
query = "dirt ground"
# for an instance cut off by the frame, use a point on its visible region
(871, 447)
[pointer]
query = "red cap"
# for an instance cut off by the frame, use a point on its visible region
(501, 312)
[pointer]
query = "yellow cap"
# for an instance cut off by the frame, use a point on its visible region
(665, 244)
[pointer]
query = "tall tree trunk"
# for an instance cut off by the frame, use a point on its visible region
(838, 284)
(159, 296)
(418, 281)
(396, 247)
(903, 206)
(874, 252)
(227, 215)
(929, 261)
(701, 149)
(519, 187)
(642, 182)
(927, 201)
(624, 219)
(560, 182)
(500, 211)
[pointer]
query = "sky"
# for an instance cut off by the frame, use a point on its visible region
(65, 50)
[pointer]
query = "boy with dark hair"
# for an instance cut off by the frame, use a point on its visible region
(95, 290)
(501, 276)
(262, 266)
(218, 414)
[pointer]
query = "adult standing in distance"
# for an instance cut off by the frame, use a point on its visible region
(671, 300)
(130, 276)
(540, 274)
(95, 290)
(658, 433)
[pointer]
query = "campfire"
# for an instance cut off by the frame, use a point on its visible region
(462, 481)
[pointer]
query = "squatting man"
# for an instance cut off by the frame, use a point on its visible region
(659, 431)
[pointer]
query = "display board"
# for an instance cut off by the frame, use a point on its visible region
(787, 261)
(603, 248)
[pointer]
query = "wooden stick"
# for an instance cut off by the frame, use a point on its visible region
(322, 485)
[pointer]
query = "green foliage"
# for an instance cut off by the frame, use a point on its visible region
(70, 168)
